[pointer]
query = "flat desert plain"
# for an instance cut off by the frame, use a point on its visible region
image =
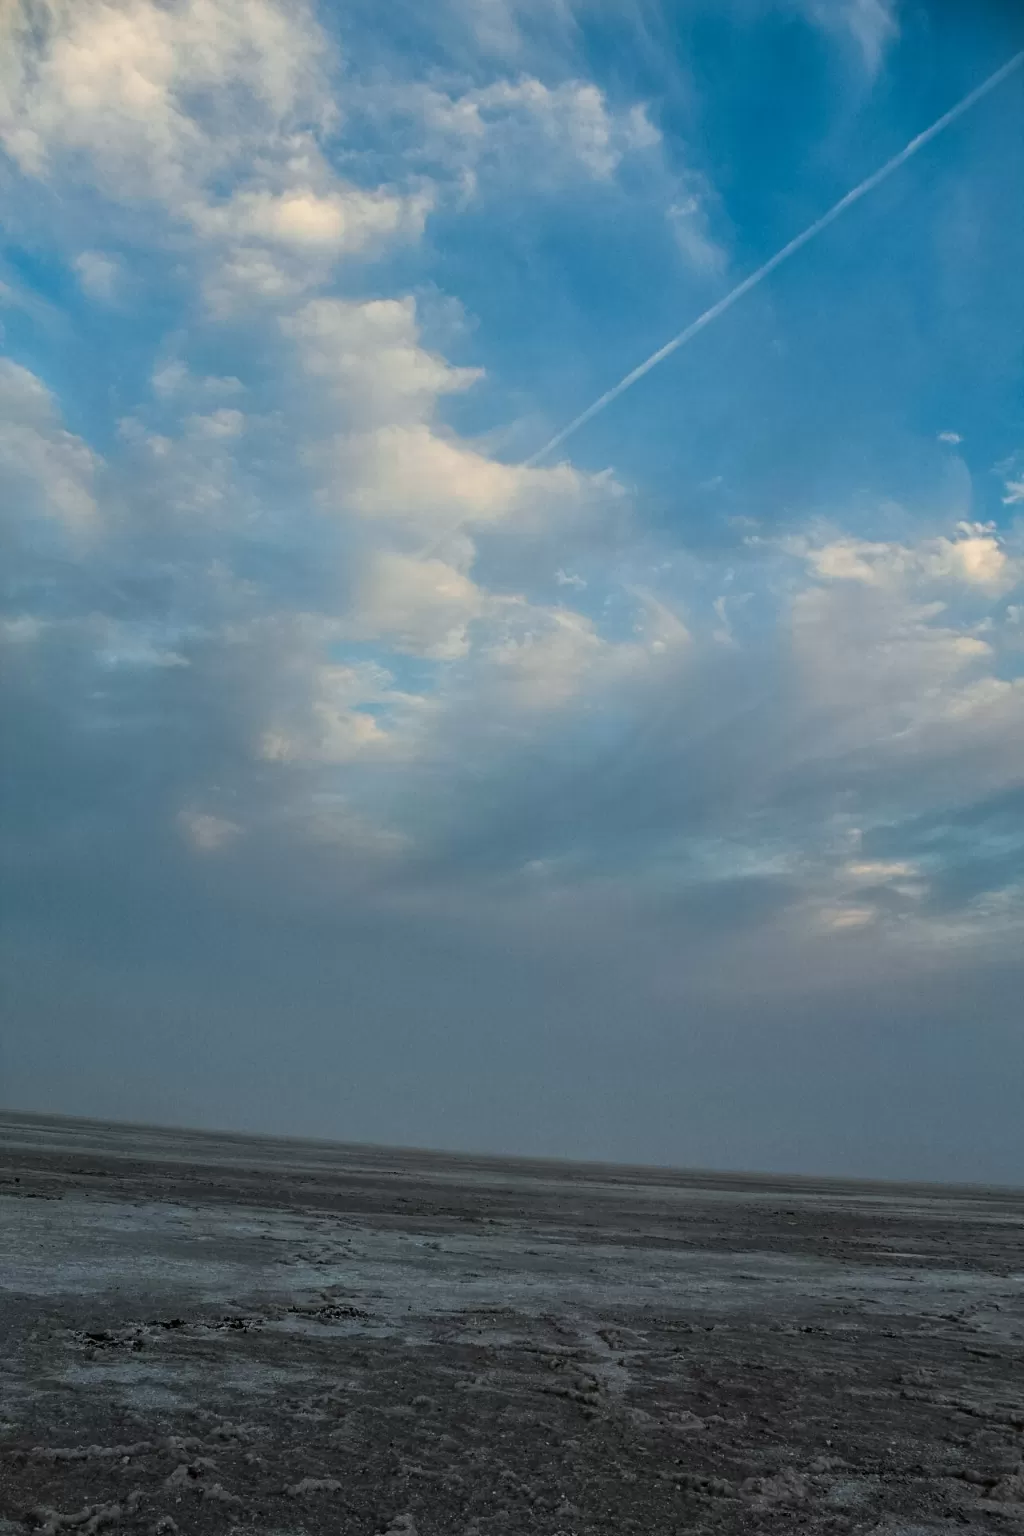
(201, 1333)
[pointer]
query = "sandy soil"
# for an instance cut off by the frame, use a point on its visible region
(202, 1332)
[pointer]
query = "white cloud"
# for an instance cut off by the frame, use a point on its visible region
(889, 662)
(111, 643)
(879, 871)
(497, 25)
(44, 468)
(429, 482)
(98, 274)
(369, 357)
(659, 627)
(23, 629)
(544, 658)
(544, 664)
(515, 130)
(206, 833)
(329, 819)
(950, 437)
(242, 277)
(871, 24)
(1011, 471)
(893, 678)
(986, 920)
(157, 98)
(271, 247)
(341, 220)
(976, 558)
(382, 455)
(212, 113)
(882, 653)
(123, 643)
(168, 378)
(222, 423)
(171, 380)
(421, 606)
(899, 883)
(572, 116)
(689, 222)
(846, 919)
(194, 474)
(162, 106)
(849, 559)
(333, 717)
(312, 710)
(414, 474)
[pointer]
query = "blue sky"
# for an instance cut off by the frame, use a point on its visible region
(660, 801)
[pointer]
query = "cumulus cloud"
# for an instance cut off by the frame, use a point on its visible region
(975, 557)
(543, 661)
(300, 219)
(525, 136)
(205, 833)
(424, 478)
(382, 453)
(221, 423)
(511, 133)
(217, 117)
(368, 356)
(98, 274)
(890, 672)
(162, 105)
(169, 105)
(421, 606)
(341, 713)
(542, 658)
(157, 99)
(45, 468)
(569, 124)
(273, 246)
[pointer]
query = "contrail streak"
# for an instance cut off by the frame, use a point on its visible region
(861, 190)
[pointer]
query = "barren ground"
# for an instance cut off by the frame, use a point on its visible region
(199, 1333)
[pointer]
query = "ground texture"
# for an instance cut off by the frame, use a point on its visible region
(202, 1333)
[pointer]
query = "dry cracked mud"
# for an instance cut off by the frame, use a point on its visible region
(203, 1333)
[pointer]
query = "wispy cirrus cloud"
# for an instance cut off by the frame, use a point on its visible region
(872, 25)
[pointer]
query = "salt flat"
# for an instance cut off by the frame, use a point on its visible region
(200, 1332)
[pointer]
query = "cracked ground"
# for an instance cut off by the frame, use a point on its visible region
(202, 1334)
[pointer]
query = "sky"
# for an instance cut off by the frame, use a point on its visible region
(659, 799)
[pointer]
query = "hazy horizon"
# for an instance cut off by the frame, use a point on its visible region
(145, 1142)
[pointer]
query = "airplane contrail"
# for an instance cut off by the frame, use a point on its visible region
(859, 191)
